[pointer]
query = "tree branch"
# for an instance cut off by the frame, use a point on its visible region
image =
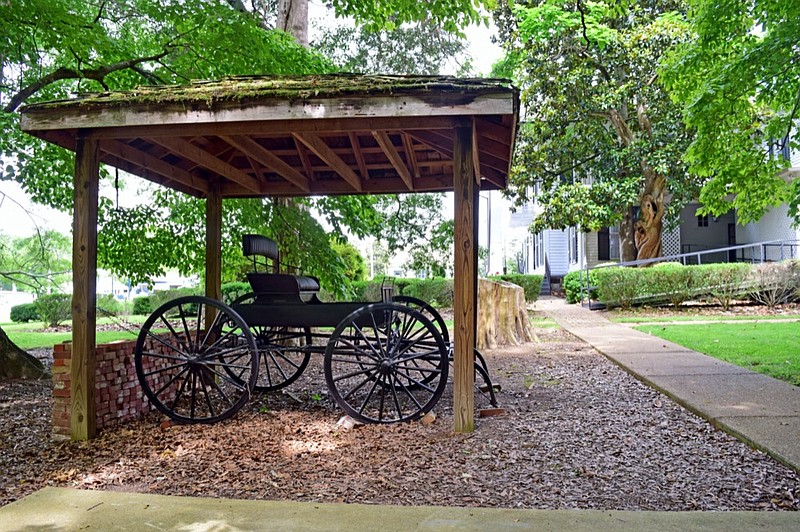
(583, 23)
(98, 74)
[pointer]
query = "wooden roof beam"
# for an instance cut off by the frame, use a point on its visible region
(197, 155)
(264, 157)
(362, 165)
(411, 156)
(321, 150)
(305, 160)
(440, 143)
(147, 162)
(385, 142)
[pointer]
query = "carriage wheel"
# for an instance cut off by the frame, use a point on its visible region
(283, 352)
(386, 363)
(426, 310)
(186, 370)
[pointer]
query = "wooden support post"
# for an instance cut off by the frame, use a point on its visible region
(466, 280)
(84, 287)
(213, 247)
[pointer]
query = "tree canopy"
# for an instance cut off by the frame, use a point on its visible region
(739, 83)
(600, 136)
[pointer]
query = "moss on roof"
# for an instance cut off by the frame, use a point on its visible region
(249, 88)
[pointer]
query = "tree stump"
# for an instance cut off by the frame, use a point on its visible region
(502, 315)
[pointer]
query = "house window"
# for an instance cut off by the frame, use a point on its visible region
(702, 221)
(608, 243)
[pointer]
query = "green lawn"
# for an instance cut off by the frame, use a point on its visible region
(769, 348)
(677, 318)
(32, 335)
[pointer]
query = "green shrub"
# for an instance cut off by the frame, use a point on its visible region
(108, 305)
(532, 284)
(574, 284)
(774, 283)
(142, 306)
(437, 292)
(618, 286)
(53, 309)
(159, 297)
(725, 282)
(669, 281)
(233, 291)
(24, 313)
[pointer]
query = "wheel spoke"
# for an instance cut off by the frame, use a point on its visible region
(171, 380)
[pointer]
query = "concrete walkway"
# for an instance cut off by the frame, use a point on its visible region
(53, 509)
(759, 410)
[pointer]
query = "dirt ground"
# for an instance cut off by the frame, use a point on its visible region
(580, 433)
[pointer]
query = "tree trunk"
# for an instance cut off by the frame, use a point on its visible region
(502, 315)
(648, 229)
(16, 363)
(293, 19)
(627, 245)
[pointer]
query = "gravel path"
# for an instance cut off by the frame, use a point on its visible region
(580, 433)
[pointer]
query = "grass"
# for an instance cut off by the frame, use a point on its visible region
(32, 335)
(769, 348)
(699, 317)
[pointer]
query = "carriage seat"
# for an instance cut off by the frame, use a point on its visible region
(267, 282)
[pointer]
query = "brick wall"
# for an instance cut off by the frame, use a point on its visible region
(118, 395)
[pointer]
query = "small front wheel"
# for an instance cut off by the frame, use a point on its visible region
(193, 373)
(386, 363)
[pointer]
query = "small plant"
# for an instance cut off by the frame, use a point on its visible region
(142, 306)
(316, 397)
(774, 284)
(54, 309)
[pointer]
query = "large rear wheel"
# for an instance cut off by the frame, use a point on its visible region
(193, 373)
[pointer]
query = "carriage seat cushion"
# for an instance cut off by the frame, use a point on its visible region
(273, 283)
(259, 245)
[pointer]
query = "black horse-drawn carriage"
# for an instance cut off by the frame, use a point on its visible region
(198, 360)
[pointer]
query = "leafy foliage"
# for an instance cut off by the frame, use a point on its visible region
(739, 82)
(24, 313)
(599, 133)
(36, 263)
(53, 309)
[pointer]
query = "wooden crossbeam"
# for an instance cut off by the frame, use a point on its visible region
(362, 165)
(145, 161)
(302, 151)
(434, 140)
(259, 153)
(411, 157)
(321, 150)
(394, 157)
(202, 158)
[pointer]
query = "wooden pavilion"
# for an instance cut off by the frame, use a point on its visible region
(285, 136)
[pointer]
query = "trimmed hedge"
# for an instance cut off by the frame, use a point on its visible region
(147, 304)
(532, 284)
(666, 283)
(233, 291)
(24, 313)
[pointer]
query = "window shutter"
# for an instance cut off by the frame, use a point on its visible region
(603, 248)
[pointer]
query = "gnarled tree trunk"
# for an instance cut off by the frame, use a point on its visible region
(502, 315)
(293, 19)
(16, 363)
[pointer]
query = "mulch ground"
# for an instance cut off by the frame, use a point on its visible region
(580, 433)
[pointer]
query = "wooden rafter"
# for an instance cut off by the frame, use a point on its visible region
(411, 156)
(476, 157)
(441, 143)
(385, 142)
(128, 153)
(324, 152)
(305, 160)
(253, 149)
(202, 158)
(359, 154)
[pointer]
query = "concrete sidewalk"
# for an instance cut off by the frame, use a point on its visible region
(54, 509)
(759, 410)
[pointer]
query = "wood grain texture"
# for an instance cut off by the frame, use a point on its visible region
(84, 284)
(466, 278)
(213, 248)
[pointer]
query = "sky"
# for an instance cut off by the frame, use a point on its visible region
(20, 217)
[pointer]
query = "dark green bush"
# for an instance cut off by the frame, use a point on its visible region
(532, 284)
(574, 284)
(233, 291)
(24, 313)
(618, 286)
(159, 297)
(670, 281)
(437, 292)
(53, 309)
(108, 305)
(142, 306)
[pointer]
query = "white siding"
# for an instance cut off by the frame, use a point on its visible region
(774, 225)
(556, 244)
